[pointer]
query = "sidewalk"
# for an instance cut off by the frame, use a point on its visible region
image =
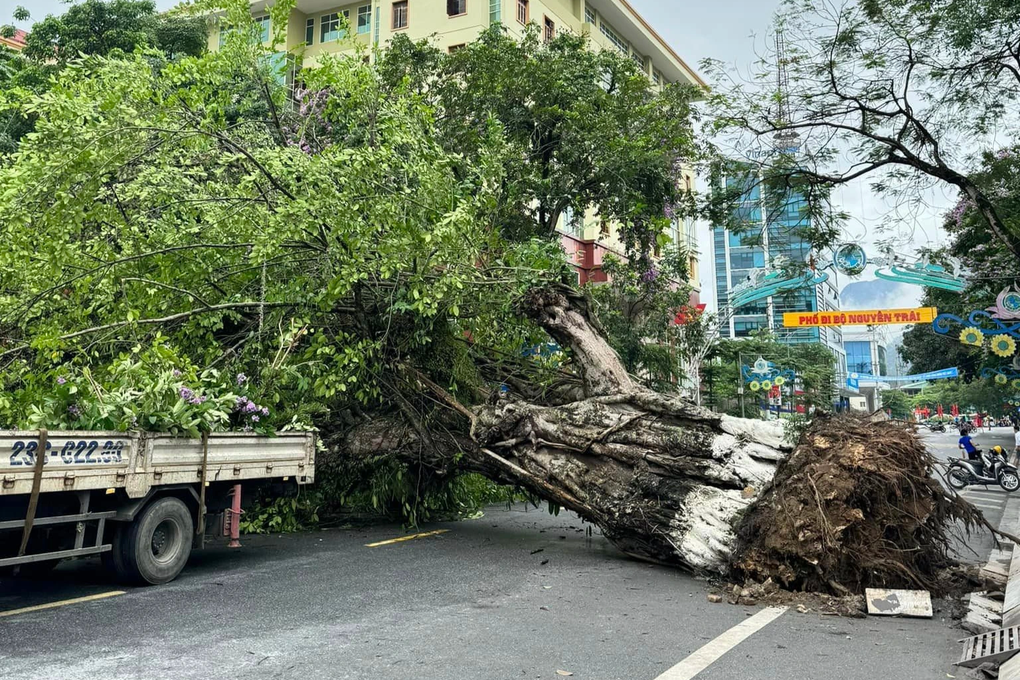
(1010, 669)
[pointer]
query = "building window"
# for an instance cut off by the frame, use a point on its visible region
(619, 42)
(310, 31)
(522, 11)
(495, 12)
(455, 8)
(589, 15)
(549, 29)
(400, 15)
(263, 24)
(329, 27)
(604, 229)
(638, 59)
(364, 19)
(454, 48)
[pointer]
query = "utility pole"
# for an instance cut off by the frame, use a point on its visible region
(740, 383)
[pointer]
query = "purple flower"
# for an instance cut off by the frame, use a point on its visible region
(650, 275)
(241, 379)
(251, 407)
(255, 419)
(265, 411)
(74, 410)
(61, 380)
(186, 394)
(177, 374)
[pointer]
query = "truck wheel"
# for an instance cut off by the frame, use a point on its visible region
(156, 546)
(113, 559)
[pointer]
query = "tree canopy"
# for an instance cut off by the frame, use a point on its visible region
(100, 27)
(900, 93)
(195, 220)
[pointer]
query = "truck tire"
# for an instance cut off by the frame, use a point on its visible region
(156, 546)
(113, 559)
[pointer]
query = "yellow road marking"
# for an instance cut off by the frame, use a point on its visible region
(406, 538)
(61, 603)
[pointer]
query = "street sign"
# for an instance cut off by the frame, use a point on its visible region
(854, 381)
(942, 374)
(864, 317)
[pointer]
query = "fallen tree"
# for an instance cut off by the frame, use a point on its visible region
(665, 479)
(223, 257)
(854, 505)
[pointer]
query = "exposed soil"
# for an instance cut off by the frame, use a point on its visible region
(855, 506)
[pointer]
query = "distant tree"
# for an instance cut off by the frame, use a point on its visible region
(587, 129)
(897, 403)
(100, 27)
(926, 350)
(90, 28)
(897, 92)
(992, 266)
(813, 364)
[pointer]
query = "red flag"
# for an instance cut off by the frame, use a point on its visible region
(955, 410)
(940, 410)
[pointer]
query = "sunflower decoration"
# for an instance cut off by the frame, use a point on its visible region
(1003, 345)
(1000, 379)
(780, 381)
(1016, 384)
(766, 385)
(755, 385)
(972, 336)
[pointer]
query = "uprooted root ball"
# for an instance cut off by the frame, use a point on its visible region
(856, 505)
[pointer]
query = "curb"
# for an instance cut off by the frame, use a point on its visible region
(1010, 669)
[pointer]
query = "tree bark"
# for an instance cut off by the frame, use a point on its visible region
(664, 479)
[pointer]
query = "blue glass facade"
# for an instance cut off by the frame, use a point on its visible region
(770, 229)
(858, 357)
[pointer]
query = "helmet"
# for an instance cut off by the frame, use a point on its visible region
(997, 450)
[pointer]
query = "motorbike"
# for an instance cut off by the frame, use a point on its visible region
(937, 427)
(989, 469)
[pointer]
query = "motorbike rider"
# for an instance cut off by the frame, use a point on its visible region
(967, 446)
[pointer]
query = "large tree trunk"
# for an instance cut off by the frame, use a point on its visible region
(855, 506)
(665, 479)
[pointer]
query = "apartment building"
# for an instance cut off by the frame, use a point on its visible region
(315, 28)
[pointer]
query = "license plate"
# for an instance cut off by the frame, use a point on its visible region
(67, 452)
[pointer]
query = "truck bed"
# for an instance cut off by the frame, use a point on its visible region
(136, 462)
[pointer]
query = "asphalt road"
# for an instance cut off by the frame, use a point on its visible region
(512, 595)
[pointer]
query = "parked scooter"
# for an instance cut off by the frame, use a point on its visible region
(990, 468)
(937, 427)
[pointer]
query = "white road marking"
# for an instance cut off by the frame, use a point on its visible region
(711, 652)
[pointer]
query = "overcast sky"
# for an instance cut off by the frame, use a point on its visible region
(728, 30)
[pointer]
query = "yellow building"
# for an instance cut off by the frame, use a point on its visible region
(315, 28)
(16, 42)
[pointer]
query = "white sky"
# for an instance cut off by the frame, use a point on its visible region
(728, 30)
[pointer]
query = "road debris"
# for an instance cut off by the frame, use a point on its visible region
(912, 603)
